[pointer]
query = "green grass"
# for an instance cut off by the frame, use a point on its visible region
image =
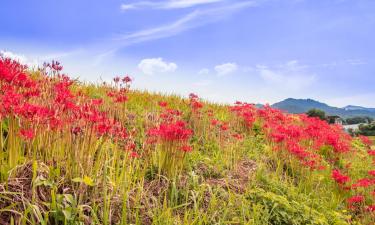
(373, 141)
(61, 178)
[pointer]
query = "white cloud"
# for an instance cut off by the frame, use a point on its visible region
(204, 71)
(20, 58)
(226, 68)
(156, 65)
(289, 76)
(192, 20)
(170, 4)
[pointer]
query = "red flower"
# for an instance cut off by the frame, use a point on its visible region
(134, 154)
(365, 182)
(163, 104)
(27, 134)
(339, 177)
(176, 131)
(365, 140)
(186, 148)
(354, 201)
(371, 172)
(126, 79)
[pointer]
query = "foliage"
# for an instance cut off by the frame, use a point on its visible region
(76, 153)
(316, 113)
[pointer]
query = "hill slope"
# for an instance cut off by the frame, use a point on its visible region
(74, 153)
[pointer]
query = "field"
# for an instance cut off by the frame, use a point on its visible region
(76, 153)
(373, 141)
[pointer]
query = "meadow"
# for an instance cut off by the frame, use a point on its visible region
(78, 153)
(372, 138)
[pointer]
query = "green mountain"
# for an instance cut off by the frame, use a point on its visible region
(292, 105)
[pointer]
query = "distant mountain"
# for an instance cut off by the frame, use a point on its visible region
(292, 105)
(354, 107)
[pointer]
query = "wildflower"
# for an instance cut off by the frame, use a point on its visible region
(134, 154)
(339, 177)
(172, 131)
(354, 201)
(126, 79)
(116, 79)
(365, 140)
(365, 182)
(163, 104)
(186, 148)
(27, 134)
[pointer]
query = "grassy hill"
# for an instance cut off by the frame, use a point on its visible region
(75, 153)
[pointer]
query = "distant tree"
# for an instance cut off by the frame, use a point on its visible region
(359, 119)
(334, 119)
(317, 113)
(367, 129)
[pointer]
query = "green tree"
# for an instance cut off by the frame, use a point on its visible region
(317, 113)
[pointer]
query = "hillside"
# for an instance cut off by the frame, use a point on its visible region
(76, 153)
(303, 105)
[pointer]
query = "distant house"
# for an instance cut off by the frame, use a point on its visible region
(335, 120)
(352, 127)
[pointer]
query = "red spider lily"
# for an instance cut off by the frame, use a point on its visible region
(195, 104)
(214, 122)
(116, 79)
(371, 173)
(339, 177)
(364, 182)
(163, 104)
(365, 140)
(186, 148)
(134, 154)
(238, 136)
(97, 101)
(126, 79)
(27, 134)
(176, 131)
(354, 201)
(370, 208)
(224, 126)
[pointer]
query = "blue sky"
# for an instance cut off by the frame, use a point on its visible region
(223, 50)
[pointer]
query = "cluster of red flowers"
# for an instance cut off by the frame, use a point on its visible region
(175, 131)
(339, 177)
(172, 129)
(195, 104)
(247, 112)
(313, 142)
(119, 95)
(46, 102)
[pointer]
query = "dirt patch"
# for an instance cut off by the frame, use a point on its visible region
(237, 179)
(148, 198)
(16, 194)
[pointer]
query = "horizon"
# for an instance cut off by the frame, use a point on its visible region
(261, 51)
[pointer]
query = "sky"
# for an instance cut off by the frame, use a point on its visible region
(258, 51)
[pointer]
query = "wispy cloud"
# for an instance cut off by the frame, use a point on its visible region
(192, 20)
(170, 4)
(226, 68)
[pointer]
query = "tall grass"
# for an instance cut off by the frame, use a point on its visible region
(76, 153)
